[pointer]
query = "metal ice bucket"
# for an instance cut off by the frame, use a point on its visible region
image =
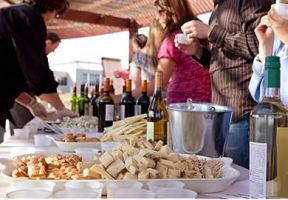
(199, 128)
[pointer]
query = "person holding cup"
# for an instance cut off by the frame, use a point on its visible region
(273, 40)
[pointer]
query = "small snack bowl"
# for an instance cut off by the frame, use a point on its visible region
(77, 193)
(21, 133)
(112, 186)
(87, 154)
(34, 185)
(159, 184)
(29, 194)
(95, 186)
(175, 193)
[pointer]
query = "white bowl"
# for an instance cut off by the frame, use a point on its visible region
(130, 193)
(29, 194)
(175, 193)
(77, 193)
(34, 185)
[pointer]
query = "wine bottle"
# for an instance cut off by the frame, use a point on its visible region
(87, 105)
(112, 90)
(127, 104)
(81, 100)
(106, 107)
(157, 116)
(94, 99)
(268, 121)
(143, 101)
(74, 106)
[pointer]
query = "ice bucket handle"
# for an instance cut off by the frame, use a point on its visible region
(189, 104)
(211, 113)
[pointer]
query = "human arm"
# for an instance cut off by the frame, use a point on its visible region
(135, 76)
(36, 109)
(256, 84)
(55, 101)
(243, 42)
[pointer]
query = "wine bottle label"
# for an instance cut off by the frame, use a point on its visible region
(137, 109)
(122, 112)
(109, 114)
(258, 165)
(150, 131)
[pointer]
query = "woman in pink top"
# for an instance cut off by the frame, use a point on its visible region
(185, 77)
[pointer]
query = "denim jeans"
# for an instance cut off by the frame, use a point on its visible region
(237, 142)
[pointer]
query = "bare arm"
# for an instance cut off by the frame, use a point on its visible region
(53, 99)
(135, 76)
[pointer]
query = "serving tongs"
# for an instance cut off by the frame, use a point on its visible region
(52, 127)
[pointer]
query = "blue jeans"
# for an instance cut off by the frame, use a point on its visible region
(237, 142)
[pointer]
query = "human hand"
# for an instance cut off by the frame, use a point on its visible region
(66, 113)
(265, 36)
(192, 48)
(196, 29)
(38, 110)
(279, 25)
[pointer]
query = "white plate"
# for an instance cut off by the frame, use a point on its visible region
(209, 185)
(71, 146)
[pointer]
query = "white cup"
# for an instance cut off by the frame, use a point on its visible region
(21, 133)
(41, 140)
(87, 154)
(111, 187)
(29, 194)
(182, 38)
(130, 193)
(34, 185)
(77, 193)
(159, 184)
(281, 9)
(95, 186)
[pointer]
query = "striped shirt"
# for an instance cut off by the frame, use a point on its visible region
(233, 48)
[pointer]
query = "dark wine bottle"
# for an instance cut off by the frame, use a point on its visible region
(106, 107)
(94, 99)
(143, 101)
(87, 102)
(157, 116)
(127, 104)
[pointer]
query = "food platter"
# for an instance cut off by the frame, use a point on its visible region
(209, 185)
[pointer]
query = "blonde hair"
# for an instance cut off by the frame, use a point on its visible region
(154, 41)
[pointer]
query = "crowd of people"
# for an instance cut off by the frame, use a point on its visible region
(222, 62)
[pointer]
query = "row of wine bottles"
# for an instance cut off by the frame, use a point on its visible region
(157, 116)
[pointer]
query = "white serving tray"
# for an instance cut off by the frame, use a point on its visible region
(208, 185)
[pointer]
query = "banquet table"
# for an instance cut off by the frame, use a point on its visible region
(239, 189)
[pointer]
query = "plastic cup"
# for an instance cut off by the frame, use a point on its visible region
(77, 193)
(182, 38)
(34, 185)
(130, 193)
(21, 133)
(41, 140)
(160, 184)
(29, 194)
(95, 186)
(113, 186)
(108, 146)
(175, 193)
(281, 9)
(87, 154)
(32, 129)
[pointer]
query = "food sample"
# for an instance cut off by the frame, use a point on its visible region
(78, 137)
(85, 122)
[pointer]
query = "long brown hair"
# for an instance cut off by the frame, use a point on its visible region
(179, 12)
(154, 41)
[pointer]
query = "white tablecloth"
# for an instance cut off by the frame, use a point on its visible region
(239, 189)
